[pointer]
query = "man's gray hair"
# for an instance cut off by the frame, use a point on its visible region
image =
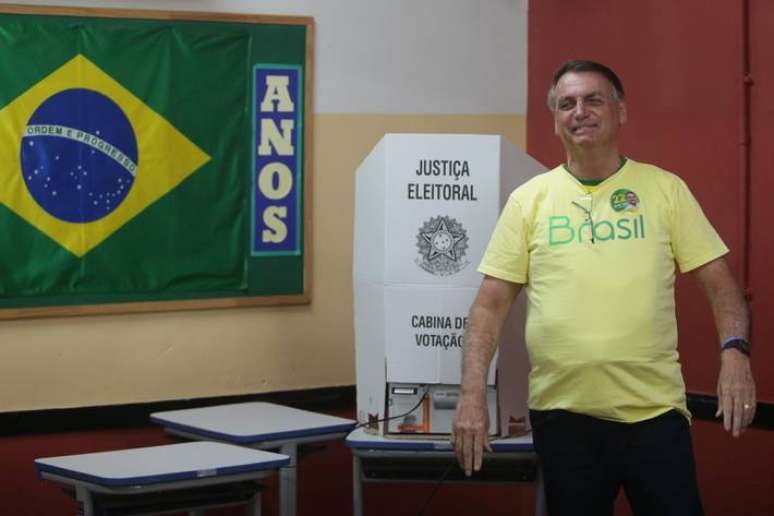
(579, 66)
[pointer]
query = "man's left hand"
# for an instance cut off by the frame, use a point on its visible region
(736, 392)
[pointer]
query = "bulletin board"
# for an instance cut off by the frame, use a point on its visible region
(153, 160)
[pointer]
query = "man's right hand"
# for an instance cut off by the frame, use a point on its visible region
(470, 432)
(470, 429)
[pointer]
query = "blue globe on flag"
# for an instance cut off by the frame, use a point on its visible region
(79, 155)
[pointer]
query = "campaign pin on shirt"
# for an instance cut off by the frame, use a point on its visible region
(624, 199)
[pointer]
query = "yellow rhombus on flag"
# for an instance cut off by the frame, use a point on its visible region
(165, 157)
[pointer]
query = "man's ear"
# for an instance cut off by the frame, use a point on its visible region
(621, 112)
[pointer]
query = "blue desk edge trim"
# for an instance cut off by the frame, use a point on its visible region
(429, 446)
(256, 438)
(159, 479)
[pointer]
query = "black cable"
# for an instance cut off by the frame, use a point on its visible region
(437, 487)
(419, 403)
(448, 469)
(445, 474)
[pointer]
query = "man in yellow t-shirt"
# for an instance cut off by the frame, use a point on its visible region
(595, 243)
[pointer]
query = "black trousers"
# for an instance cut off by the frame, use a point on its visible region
(586, 461)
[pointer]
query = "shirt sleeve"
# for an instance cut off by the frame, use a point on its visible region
(506, 257)
(694, 240)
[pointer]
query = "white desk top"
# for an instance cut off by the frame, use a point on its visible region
(360, 439)
(246, 423)
(160, 464)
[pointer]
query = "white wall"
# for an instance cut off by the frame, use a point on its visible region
(397, 56)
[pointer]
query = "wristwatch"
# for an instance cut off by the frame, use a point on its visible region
(737, 343)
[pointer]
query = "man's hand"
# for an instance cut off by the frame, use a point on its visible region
(736, 392)
(470, 432)
(736, 387)
(470, 428)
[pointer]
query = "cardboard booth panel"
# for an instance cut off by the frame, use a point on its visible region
(368, 253)
(516, 168)
(425, 333)
(442, 195)
(513, 366)
(369, 314)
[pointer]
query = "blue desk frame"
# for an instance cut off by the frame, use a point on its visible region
(259, 425)
(159, 469)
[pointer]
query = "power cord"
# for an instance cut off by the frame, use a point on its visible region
(419, 403)
(446, 472)
(448, 469)
(437, 487)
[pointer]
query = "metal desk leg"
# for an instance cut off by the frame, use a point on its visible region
(540, 494)
(85, 502)
(254, 509)
(288, 481)
(357, 486)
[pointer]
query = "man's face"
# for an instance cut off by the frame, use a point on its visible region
(587, 113)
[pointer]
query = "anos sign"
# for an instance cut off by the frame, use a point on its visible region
(278, 148)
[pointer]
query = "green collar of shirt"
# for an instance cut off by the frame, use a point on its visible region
(594, 182)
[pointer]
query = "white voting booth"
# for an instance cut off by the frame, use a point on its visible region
(425, 207)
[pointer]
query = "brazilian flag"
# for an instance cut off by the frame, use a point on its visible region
(127, 159)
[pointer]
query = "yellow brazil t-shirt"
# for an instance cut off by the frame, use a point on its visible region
(601, 331)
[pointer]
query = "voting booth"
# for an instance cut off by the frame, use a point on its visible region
(425, 208)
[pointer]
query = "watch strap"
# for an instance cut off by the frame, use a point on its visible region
(737, 343)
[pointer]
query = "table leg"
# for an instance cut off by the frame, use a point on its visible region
(288, 481)
(254, 509)
(85, 502)
(540, 494)
(357, 486)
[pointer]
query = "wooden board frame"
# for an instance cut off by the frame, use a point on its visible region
(207, 303)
